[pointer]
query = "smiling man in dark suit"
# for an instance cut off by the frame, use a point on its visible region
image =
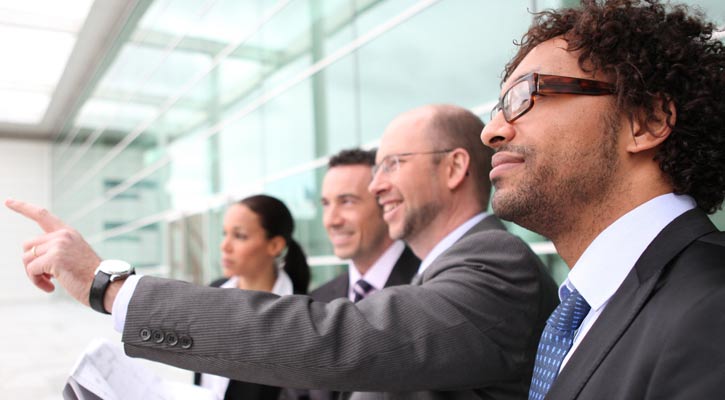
(354, 223)
(610, 140)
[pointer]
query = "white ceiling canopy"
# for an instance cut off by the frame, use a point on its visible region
(50, 50)
(36, 39)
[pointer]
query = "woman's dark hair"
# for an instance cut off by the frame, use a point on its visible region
(277, 220)
(657, 55)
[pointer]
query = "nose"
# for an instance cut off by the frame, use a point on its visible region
(379, 184)
(225, 245)
(497, 132)
(331, 216)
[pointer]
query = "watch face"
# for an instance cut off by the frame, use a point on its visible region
(114, 267)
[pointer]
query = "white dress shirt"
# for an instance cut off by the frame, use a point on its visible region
(448, 241)
(378, 274)
(607, 261)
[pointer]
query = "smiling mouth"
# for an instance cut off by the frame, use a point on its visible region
(338, 237)
(388, 207)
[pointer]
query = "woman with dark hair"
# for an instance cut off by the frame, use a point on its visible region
(258, 253)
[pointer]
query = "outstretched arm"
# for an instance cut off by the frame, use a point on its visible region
(60, 253)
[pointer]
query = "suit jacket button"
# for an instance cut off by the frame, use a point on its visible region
(157, 336)
(185, 342)
(145, 334)
(171, 339)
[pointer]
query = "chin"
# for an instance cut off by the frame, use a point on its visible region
(228, 272)
(342, 255)
(395, 234)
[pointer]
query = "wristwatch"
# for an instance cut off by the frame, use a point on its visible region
(108, 271)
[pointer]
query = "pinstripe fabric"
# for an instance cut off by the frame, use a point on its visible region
(469, 329)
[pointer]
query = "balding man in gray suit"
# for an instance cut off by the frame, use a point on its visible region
(467, 327)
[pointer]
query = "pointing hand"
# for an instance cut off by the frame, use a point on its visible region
(60, 253)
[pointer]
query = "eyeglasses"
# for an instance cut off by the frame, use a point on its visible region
(391, 162)
(519, 98)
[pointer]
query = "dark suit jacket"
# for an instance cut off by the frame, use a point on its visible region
(402, 273)
(662, 334)
(238, 390)
(468, 328)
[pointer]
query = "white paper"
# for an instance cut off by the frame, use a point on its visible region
(106, 371)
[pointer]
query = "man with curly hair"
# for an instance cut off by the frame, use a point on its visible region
(610, 140)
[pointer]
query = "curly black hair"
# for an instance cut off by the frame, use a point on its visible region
(659, 55)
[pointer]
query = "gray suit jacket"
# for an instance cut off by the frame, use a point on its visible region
(468, 329)
(402, 273)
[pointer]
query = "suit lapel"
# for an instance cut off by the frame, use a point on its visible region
(343, 288)
(337, 289)
(627, 302)
(404, 269)
(488, 223)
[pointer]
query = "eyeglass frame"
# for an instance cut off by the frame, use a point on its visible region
(380, 167)
(544, 84)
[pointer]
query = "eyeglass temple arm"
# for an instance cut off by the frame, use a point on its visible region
(574, 86)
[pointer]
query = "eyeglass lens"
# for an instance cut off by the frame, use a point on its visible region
(516, 100)
(387, 165)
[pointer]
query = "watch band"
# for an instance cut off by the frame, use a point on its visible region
(108, 271)
(98, 291)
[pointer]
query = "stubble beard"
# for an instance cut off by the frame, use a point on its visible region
(417, 220)
(549, 202)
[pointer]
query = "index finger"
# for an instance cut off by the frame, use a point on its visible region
(47, 221)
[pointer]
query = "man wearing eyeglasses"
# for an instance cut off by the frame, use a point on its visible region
(466, 328)
(610, 140)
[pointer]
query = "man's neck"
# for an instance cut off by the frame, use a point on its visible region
(262, 282)
(444, 224)
(588, 224)
(363, 263)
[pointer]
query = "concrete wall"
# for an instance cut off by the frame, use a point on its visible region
(43, 334)
(24, 175)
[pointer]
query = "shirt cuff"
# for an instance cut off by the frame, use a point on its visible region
(120, 304)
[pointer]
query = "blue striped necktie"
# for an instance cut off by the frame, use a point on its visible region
(556, 340)
(361, 289)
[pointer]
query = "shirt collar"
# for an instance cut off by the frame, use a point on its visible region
(448, 241)
(282, 285)
(379, 272)
(607, 261)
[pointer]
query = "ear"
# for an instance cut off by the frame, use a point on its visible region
(457, 170)
(275, 246)
(648, 132)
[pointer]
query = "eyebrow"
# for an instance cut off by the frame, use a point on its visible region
(340, 196)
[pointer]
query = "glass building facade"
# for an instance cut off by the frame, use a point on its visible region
(201, 103)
